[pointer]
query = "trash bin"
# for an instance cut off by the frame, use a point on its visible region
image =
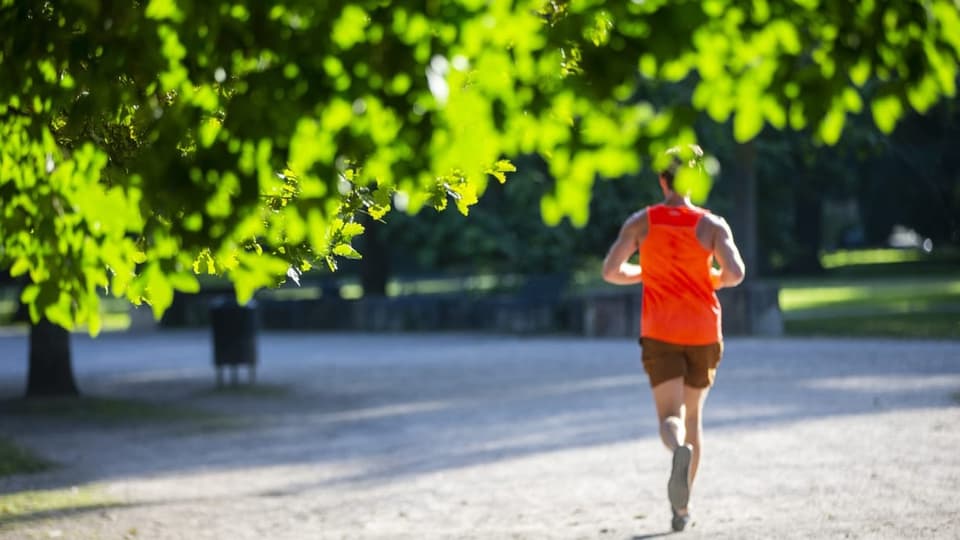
(234, 337)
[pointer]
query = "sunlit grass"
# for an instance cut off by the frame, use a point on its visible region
(870, 256)
(808, 294)
(48, 503)
(17, 460)
(919, 307)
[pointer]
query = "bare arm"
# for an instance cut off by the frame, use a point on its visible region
(616, 269)
(732, 269)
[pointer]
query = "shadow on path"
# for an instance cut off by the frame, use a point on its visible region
(381, 408)
(653, 535)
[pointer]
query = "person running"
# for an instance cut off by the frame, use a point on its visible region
(685, 254)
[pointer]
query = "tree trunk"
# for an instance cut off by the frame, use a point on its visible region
(807, 229)
(375, 265)
(744, 222)
(51, 371)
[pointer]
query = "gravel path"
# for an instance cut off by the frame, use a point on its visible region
(465, 436)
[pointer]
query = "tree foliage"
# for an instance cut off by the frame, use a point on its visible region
(144, 142)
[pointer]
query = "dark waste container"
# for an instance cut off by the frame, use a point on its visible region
(234, 337)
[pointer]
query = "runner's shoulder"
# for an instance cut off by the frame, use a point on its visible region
(715, 221)
(637, 219)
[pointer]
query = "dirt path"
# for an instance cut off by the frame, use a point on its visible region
(445, 436)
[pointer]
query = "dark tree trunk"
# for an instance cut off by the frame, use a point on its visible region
(375, 265)
(51, 371)
(744, 220)
(807, 229)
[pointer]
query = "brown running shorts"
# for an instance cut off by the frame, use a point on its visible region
(697, 364)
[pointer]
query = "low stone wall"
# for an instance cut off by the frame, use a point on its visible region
(751, 309)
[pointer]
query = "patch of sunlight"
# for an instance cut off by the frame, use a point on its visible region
(602, 383)
(890, 383)
(551, 390)
(351, 291)
(15, 329)
(157, 376)
(298, 293)
(757, 412)
(794, 297)
(17, 506)
(439, 285)
(869, 256)
(428, 286)
(809, 297)
(386, 411)
(478, 282)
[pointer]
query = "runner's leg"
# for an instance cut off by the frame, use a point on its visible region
(668, 397)
(669, 400)
(694, 399)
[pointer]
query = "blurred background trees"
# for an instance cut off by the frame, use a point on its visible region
(143, 143)
(149, 141)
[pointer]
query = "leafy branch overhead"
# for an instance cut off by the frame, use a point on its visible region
(146, 142)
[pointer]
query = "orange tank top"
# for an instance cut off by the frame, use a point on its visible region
(679, 302)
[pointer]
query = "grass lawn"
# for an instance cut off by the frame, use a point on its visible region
(38, 505)
(113, 412)
(909, 299)
(901, 325)
(100, 410)
(17, 460)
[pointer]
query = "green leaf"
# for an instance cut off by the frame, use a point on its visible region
(347, 251)
(550, 210)
(20, 267)
(352, 229)
(94, 323)
(163, 10)
(348, 30)
(30, 293)
(60, 312)
(694, 182)
(158, 291)
(886, 110)
(860, 72)
(381, 202)
(852, 101)
(832, 124)
(798, 119)
(748, 121)
(185, 282)
(773, 112)
(923, 95)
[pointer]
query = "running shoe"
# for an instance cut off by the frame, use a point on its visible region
(678, 488)
(679, 522)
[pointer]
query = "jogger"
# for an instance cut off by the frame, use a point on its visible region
(686, 253)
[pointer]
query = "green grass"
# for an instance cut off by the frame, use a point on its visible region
(17, 460)
(894, 293)
(921, 305)
(103, 410)
(909, 325)
(31, 505)
(870, 256)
